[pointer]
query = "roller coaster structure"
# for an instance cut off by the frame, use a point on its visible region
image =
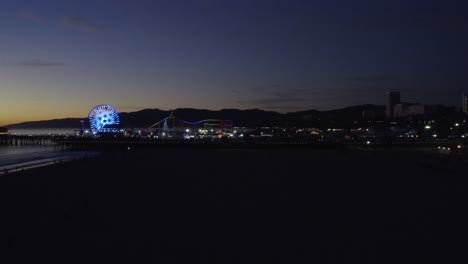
(173, 124)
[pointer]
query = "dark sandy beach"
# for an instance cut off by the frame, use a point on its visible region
(238, 206)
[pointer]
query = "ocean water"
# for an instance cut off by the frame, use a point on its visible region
(45, 131)
(12, 157)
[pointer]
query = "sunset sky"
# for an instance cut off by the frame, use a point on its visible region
(60, 58)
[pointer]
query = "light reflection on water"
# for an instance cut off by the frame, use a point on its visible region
(6, 151)
(45, 131)
(17, 155)
(20, 154)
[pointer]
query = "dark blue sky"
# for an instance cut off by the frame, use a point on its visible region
(60, 58)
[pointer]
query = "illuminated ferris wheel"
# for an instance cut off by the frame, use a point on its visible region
(104, 119)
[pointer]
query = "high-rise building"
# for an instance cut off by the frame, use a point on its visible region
(400, 110)
(465, 103)
(407, 109)
(393, 98)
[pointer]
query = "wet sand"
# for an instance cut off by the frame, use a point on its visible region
(238, 206)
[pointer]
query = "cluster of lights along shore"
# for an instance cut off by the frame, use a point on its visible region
(104, 119)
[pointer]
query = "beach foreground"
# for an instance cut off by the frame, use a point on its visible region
(238, 206)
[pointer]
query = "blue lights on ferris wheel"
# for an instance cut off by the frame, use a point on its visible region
(104, 119)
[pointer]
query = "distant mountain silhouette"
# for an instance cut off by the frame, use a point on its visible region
(250, 117)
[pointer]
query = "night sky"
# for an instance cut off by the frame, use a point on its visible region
(60, 58)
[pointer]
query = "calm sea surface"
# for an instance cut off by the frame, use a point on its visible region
(28, 155)
(47, 131)
(17, 156)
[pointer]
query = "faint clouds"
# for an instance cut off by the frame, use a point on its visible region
(38, 63)
(279, 99)
(129, 107)
(275, 98)
(371, 78)
(30, 15)
(283, 108)
(75, 22)
(82, 24)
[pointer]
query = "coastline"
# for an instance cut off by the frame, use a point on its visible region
(37, 163)
(19, 158)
